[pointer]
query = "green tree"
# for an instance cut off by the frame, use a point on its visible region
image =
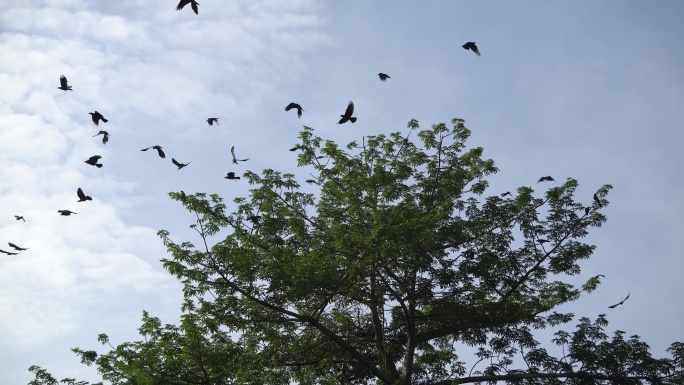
(383, 277)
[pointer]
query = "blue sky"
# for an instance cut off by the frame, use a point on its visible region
(582, 89)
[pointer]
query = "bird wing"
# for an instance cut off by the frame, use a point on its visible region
(232, 152)
(182, 4)
(194, 7)
(105, 137)
(160, 152)
(63, 81)
(175, 162)
(13, 245)
(290, 106)
(350, 110)
(474, 48)
(80, 193)
(94, 158)
(145, 149)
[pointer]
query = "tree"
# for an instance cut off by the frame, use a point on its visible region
(383, 277)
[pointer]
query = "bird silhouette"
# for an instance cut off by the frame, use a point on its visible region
(179, 164)
(231, 176)
(619, 303)
(597, 201)
(81, 196)
(506, 193)
(236, 160)
(471, 46)
(93, 161)
(183, 197)
(7, 252)
(542, 241)
(96, 116)
(310, 181)
(297, 106)
(545, 179)
(384, 77)
(105, 136)
(211, 121)
(66, 213)
(15, 247)
(63, 84)
(19, 218)
(348, 114)
(296, 147)
(586, 210)
(192, 3)
(159, 151)
(254, 218)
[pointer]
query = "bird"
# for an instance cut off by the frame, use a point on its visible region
(96, 116)
(93, 161)
(506, 193)
(471, 46)
(597, 201)
(192, 3)
(619, 303)
(211, 121)
(310, 181)
(18, 217)
(63, 84)
(586, 210)
(297, 106)
(183, 197)
(348, 114)
(159, 151)
(179, 164)
(296, 147)
(231, 176)
(7, 252)
(66, 213)
(17, 247)
(542, 241)
(384, 77)
(545, 179)
(105, 136)
(236, 160)
(254, 218)
(81, 196)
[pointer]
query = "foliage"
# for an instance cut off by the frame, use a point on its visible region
(382, 277)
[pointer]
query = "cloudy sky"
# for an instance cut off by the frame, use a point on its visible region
(582, 89)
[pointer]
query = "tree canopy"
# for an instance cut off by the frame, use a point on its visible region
(391, 273)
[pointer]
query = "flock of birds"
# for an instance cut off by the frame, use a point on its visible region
(97, 117)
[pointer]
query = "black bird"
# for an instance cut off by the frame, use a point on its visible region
(211, 121)
(295, 148)
(183, 197)
(384, 77)
(81, 196)
(192, 3)
(542, 241)
(597, 201)
(16, 247)
(469, 254)
(471, 46)
(93, 161)
(159, 151)
(63, 84)
(231, 176)
(254, 218)
(19, 218)
(7, 252)
(297, 106)
(545, 179)
(96, 116)
(236, 160)
(105, 136)
(348, 114)
(586, 210)
(619, 303)
(66, 213)
(506, 193)
(179, 164)
(310, 181)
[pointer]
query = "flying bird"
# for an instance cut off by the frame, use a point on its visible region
(597, 201)
(18, 217)
(348, 114)
(179, 164)
(81, 196)
(506, 193)
(7, 252)
(296, 147)
(471, 46)
(297, 106)
(15, 247)
(384, 77)
(619, 303)
(236, 160)
(545, 179)
(105, 136)
(63, 84)
(211, 121)
(310, 181)
(254, 218)
(231, 176)
(159, 151)
(93, 161)
(542, 241)
(96, 116)
(192, 3)
(66, 213)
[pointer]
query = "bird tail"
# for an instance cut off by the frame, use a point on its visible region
(353, 120)
(105, 120)
(98, 165)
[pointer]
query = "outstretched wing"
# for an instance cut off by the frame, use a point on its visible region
(161, 153)
(232, 152)
(194, 8)
(81, 194)
(350, 110)
(63, 81)
(182, 4)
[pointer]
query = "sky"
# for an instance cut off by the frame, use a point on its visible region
(583, 89)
